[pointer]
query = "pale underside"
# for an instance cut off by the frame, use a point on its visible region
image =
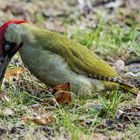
(53, 70)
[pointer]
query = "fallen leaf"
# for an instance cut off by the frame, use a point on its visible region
(63, 97)
(40, 120)
(62, 87)
(15, 72)
(25, 119)
(62, 93)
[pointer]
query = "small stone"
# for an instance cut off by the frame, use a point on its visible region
(119, 65)
(8, 112)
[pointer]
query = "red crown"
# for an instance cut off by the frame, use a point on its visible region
(5, 25)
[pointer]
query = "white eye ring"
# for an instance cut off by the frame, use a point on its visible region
(7, 47)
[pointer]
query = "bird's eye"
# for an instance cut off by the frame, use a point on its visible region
(7, 47)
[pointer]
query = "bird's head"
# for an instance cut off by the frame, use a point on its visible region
(10, 43)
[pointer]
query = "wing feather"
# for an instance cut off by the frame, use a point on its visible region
(78, 57)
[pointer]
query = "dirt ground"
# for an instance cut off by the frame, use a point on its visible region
(110, 28)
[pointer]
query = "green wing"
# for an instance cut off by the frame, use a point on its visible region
(79, 58)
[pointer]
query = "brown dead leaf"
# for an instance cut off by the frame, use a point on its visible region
(25, 119)
(63, 97)
(15, 72)
(40, 120)
(62, 93)
(62, 87)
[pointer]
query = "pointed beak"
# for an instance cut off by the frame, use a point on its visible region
(4, 61)
(6, 56)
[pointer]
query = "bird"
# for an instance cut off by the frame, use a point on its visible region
(55, 59)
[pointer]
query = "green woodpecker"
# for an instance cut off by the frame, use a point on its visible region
(55, 59)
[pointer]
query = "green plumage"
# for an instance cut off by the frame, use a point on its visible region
(55, 59)
(79, 58)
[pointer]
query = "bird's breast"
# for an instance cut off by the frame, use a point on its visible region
(52, 69)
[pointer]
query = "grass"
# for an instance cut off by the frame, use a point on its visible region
(110, 105)
(84, 115)
(110, 39)
(79, 118)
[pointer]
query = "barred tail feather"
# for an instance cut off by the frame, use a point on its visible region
(123, 84)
